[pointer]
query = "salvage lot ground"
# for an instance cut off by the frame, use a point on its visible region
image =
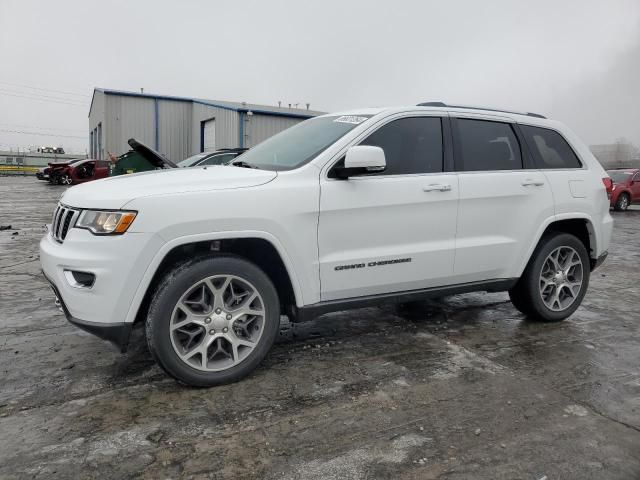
(462, 389)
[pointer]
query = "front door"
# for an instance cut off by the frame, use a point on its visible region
(392, 231)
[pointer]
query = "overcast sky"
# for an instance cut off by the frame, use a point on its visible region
(574, 60)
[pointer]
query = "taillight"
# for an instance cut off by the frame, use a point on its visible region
(608, 185)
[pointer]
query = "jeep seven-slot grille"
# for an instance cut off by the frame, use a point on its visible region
(63, 220)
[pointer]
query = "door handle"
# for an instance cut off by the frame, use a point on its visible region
(436, 186)
(529, 183)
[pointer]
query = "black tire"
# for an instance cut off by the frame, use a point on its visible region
(622, 203)
(519, 299)
(170, 291)
(526, 296)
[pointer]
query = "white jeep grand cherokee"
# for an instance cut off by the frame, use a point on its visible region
(340, 211)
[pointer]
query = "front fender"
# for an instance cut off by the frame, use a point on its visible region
(203, 237)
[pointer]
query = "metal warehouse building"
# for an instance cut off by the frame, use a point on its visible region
(179, 127)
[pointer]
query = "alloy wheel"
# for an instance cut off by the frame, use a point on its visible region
(561, 278)
(624, 202)
(217, 323)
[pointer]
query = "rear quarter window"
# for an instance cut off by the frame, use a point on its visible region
(549, 148)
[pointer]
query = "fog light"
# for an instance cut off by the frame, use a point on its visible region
(79, 279)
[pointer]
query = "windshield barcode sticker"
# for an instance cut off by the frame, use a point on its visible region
(353, 119)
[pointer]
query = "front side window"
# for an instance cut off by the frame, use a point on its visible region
(549, 148)
(485, 145)
(411, 145)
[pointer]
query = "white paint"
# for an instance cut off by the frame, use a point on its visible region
(484, 225)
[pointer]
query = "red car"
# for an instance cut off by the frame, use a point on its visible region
(626, 187)
(78, 172)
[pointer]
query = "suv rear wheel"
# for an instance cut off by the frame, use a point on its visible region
(555, 280)
(212, 320)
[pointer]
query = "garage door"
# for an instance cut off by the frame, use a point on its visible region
(209, 132)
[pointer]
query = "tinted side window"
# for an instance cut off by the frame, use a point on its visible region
(411, 145)
(487, 145)
(549, 148)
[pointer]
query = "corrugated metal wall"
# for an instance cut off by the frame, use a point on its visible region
(179, 124)
(260, 127)
(174, 133)
(226, 126)
(96, 116)
(128, 117)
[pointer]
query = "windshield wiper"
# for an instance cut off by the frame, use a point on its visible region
(243, 164)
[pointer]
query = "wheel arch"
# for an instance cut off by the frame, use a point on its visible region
(261, 248)
(580, 225)
(623, 192)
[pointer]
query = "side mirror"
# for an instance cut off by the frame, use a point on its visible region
(360, 160)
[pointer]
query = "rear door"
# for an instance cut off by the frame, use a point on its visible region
(395, 230)
(503, 199)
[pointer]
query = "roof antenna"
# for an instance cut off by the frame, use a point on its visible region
(141, 90)
(308, 105)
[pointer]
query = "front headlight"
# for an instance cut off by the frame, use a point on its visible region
(103, 222)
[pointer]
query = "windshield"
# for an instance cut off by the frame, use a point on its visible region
(299, 144)
(187, 162)
(619, 176)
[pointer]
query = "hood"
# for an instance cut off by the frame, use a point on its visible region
(116, 192)
(156, 159)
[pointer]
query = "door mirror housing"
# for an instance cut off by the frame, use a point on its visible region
(360, 160)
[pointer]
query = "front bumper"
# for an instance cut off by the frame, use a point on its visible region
(116, 333)
(118, 263)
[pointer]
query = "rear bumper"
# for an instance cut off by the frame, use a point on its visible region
(116, 333)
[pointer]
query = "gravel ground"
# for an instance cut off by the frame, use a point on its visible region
(462, 388)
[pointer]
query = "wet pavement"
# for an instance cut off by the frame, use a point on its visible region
(461, 388)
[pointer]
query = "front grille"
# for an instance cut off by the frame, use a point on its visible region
(63, 219)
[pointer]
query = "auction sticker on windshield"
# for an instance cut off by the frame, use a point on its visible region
(353, 119)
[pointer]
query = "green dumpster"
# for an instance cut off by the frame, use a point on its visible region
(140, 158)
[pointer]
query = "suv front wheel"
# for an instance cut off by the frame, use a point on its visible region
(555, 280)
(212, 320)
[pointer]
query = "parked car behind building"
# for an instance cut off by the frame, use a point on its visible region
(55, 170)
(626, 187)
(43, 173)
(79, 172)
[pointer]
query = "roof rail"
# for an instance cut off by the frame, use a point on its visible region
(442, 104)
